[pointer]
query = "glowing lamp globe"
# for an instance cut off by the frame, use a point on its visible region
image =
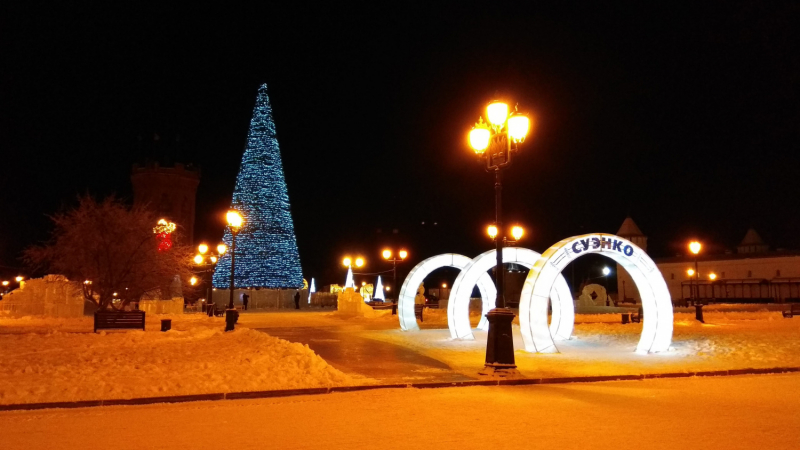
(695, 247)
(518, 127)
(517, 232)
(359, 262)
(497, 113)
(198, 259)
(222, 248)
(347, 261)
(18, 279)
(234, 219)
(213, 259)
(606, 271)
(202, 248)
(403, 254)
(193, 281)
(712, 276)
(491, 230)
(387, 254)
(690, 272)
(479, 139)
(5, 283)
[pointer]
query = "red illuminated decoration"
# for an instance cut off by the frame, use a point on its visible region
(163, 231)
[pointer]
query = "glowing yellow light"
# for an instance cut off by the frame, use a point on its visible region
(164, 227)
(5, 283)
(202, 248)
(444, 285)
(18, 279)
(479, 139)
(221, 249)
(193, 281)
(497, 113)
(518, 127)
(198, 259)
(387, 254)
(363, 283)
(347, 261)
(517, 232)
(403, 254)
(388, 288)
(695, 247)
(213, 259)
(491, 230)
(690, 272)
(712, 276)
(359, 262)
(234, 219)
(115, 294)
(87, 282)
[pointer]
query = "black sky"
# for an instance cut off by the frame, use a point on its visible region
(683, 115)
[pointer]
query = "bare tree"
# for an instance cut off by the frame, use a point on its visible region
(113, 253)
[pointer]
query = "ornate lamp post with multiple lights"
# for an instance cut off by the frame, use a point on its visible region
(493, 142)
(207, 261)
(393, 258)
(235, 222)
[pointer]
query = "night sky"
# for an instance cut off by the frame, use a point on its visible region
(684, 116)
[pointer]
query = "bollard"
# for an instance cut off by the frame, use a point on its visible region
(626, 318)
(231, 317)
(394, 308)
(698, 312)
(166, 324)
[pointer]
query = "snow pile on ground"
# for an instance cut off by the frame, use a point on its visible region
(43, 363)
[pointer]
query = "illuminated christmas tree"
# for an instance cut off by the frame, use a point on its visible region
(266, 249)
(348, 282)
(378, 295)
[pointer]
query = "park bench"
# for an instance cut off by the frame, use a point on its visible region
(118, 320)
(380, 305)
(794, 310)
(418, 311)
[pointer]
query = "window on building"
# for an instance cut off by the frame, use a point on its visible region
(749, 273)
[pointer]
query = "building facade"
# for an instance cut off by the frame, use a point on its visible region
(753, 274)
(169, 191)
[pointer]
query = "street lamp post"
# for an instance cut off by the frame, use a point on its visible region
(208, 261)
(695, 247)
(235, 222)
(492, 142)
(388, 255)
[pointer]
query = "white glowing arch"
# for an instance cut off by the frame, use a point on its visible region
(458, 307)
(405, 301)
(656, 301)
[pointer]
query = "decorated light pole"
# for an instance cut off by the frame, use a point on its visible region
(207, 261)
(493, 142)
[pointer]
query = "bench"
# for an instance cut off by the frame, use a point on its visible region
(418, 311)
(118, 320)
(794, 310)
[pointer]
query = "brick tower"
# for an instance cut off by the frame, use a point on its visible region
(170, 191)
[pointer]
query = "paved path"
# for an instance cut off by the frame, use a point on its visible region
(731, 413)
(354, 354)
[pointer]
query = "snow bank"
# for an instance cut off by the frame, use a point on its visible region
(43, 363)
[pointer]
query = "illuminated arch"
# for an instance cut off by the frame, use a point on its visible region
(405, 301)
(458, 306)
(656, 301)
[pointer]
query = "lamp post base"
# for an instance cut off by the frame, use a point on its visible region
(500, 343)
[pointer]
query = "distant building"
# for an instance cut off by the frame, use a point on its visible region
(170, 191)
(753, 274)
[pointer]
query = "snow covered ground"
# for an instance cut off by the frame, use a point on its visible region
(732, 413)
(47, 360)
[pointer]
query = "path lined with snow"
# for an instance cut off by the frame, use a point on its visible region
(743, 412)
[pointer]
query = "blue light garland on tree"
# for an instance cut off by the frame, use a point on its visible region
(266, 248)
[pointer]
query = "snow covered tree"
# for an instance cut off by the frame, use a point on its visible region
(106, 248)
(266, 249)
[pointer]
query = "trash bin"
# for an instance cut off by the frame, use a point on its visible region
(166, 324)
(698, 312)
(626, 318)
(231, 317)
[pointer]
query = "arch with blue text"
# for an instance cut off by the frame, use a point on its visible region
(656, 302)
